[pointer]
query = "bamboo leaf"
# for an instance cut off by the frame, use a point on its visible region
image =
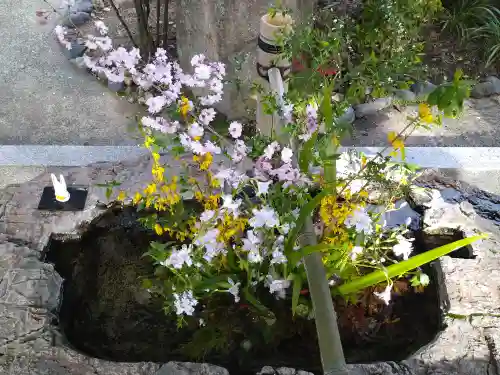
(297, 286)
(400, 268)
(255, 302)
(307, 250)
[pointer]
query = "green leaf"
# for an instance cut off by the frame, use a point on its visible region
(297, 286)
(307, 250)
(458, 75)
(109, 191)
(401, 268)
(255, 303)
(213, 283)
(306, 153)
(305, 213)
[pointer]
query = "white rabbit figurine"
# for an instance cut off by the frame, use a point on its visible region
(61, 192)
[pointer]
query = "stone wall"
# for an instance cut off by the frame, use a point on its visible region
(227, 31)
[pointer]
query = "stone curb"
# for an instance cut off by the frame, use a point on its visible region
(30, 289)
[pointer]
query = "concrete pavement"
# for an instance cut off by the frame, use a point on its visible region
(44, 99)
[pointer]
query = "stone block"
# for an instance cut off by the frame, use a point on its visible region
(370, 108)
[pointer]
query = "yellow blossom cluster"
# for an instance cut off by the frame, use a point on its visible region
(204, 161)
(334, 212)
(229, 227)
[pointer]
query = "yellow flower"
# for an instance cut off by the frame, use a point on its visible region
(185, 106)
(212, 202)
(212, 182)
(425, 113)
(148, 141)
(158, 171)
(156, 157)
(198, 196)
(363, 194)
(121, 196)
(149, 201)
(229, 227)
(397, 142)
(158, 229)
(203, 161)
(137, 198)
(150, 190)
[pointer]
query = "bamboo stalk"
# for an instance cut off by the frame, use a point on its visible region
(330, 345)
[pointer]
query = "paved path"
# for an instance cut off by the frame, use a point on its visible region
(44, 99)
(479, 126)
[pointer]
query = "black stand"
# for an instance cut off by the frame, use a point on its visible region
(76, 202)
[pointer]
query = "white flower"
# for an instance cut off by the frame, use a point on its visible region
(403, 248)
(235, 129)
(286, 155)
(201, 322)
(195, 130)
(156, 103)
(278, 257)
(287, 112)
(360, 220)
(105, 43)
(197, 148)
(285, 228)
(197, 59)
(160, 124)
(212, 148)
(356, 250)
(234, 289)
(179, 257)
(251, 244)
(202, 72)
(207, 115)
(209, 241)
(265, 217)
(263, 187)
(103, 29)
(385, 295)
(239, 151)
(207, 215)
(185, 303)
(277, 287)
(231, 176)
(271, 149)
(210, 99)
(231, 205)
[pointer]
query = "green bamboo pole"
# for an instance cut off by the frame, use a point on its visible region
(330, 346)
